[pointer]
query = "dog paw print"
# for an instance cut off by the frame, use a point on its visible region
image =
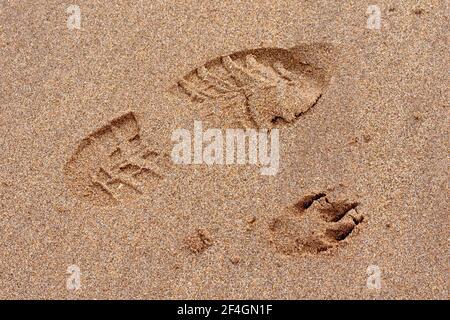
(314, 224)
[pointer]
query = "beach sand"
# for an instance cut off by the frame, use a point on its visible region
(361, 190)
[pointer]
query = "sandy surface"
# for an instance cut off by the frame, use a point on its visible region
(378, 137)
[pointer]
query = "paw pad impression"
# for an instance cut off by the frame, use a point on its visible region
(314, 224)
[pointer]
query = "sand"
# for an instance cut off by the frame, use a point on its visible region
(361, 188)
